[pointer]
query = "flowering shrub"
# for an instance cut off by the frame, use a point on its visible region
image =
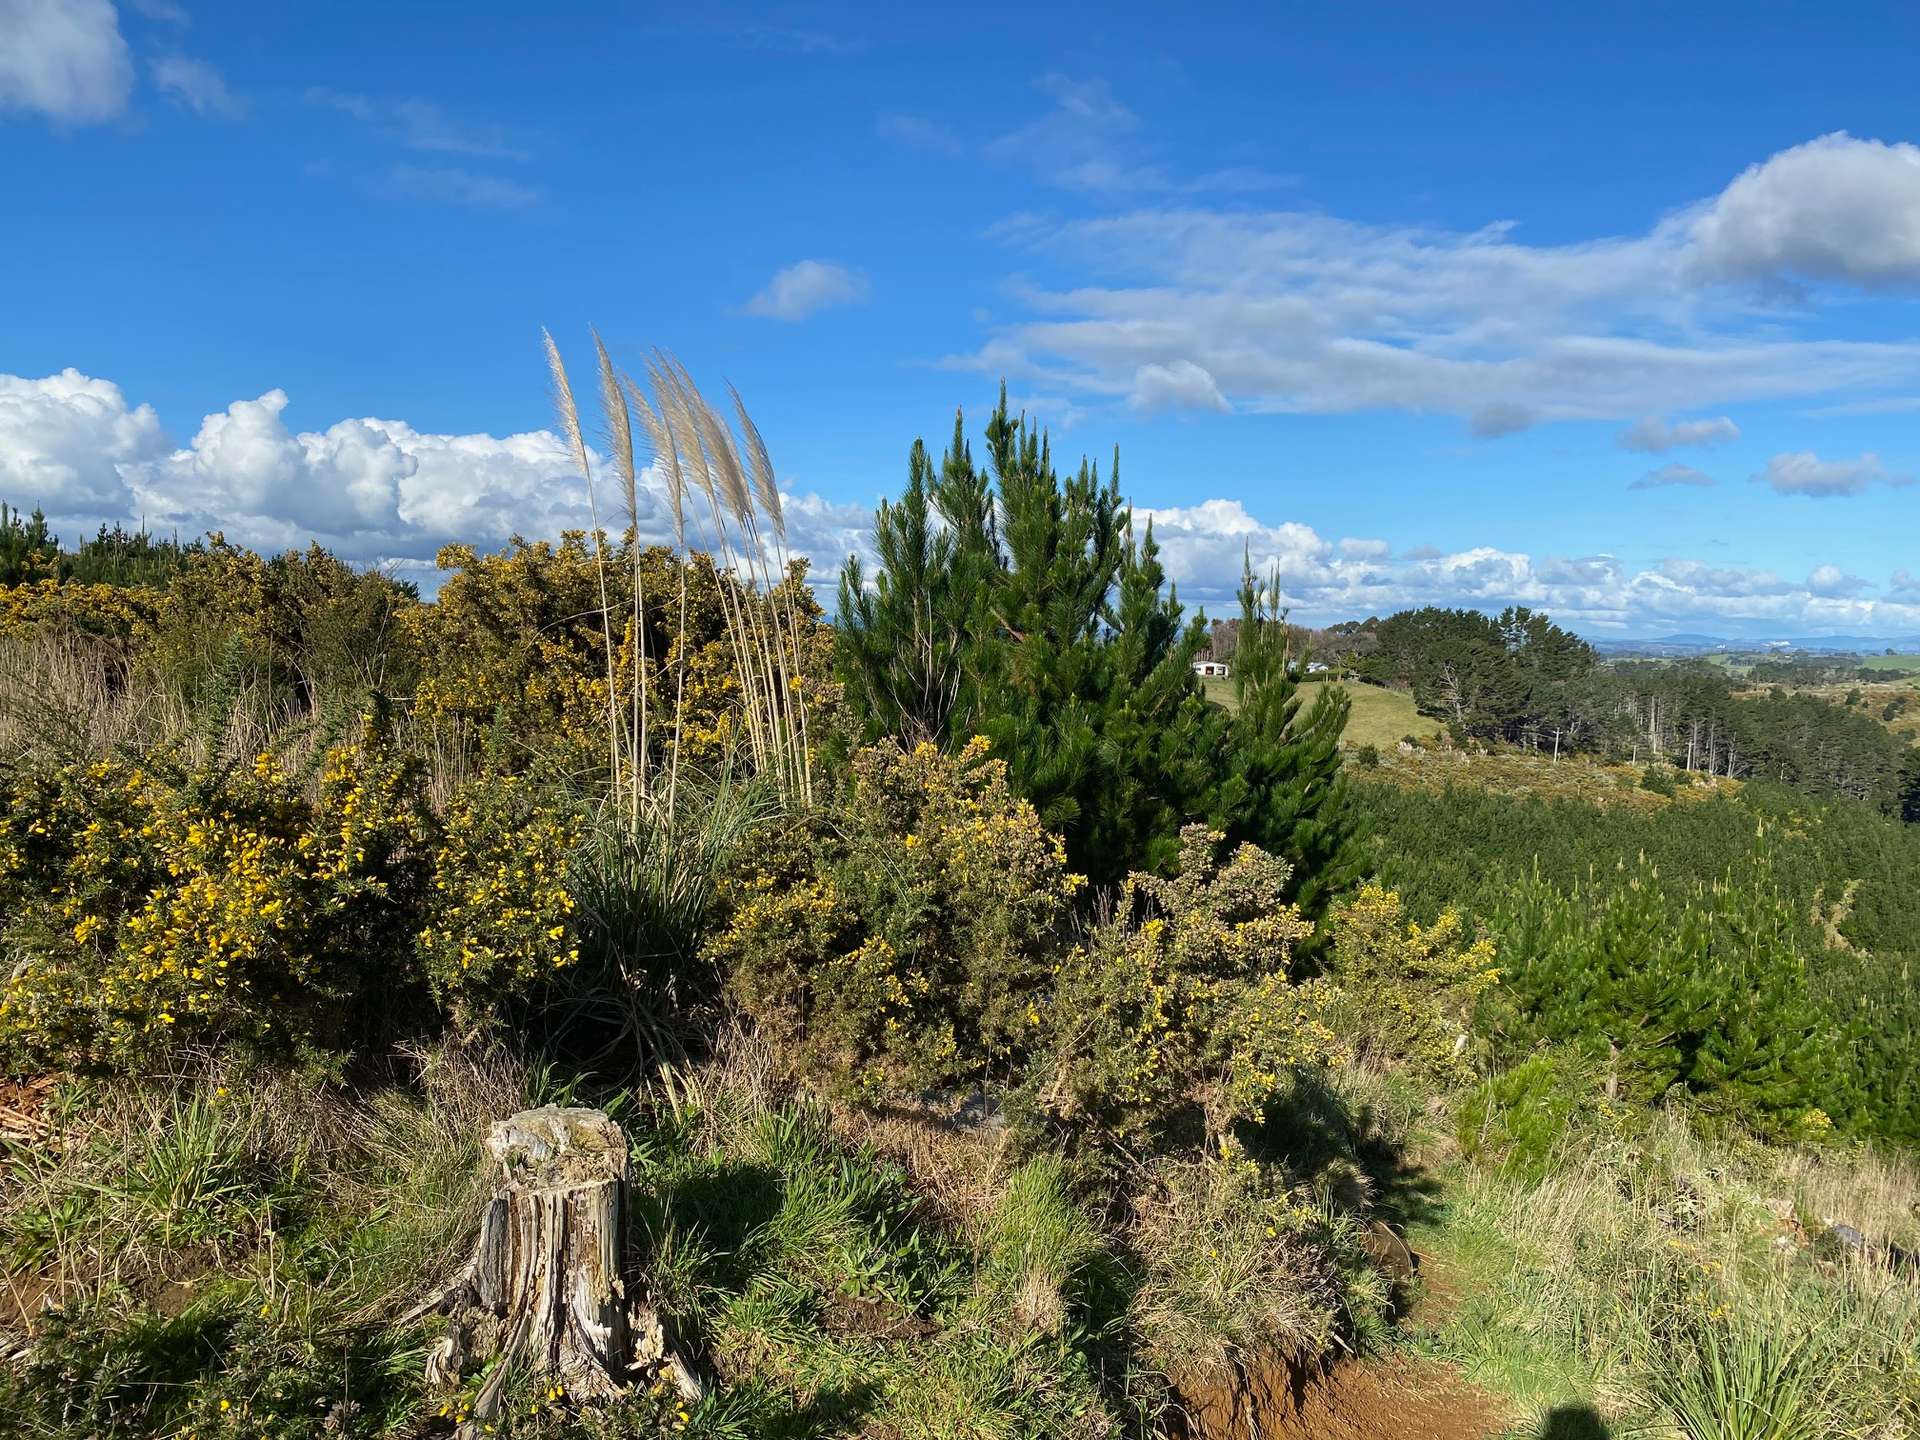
(517, 639)
(108, 611)
(500, 918)
(151, 906)
(903, 939)
(1183, 1001)
(1409, 991)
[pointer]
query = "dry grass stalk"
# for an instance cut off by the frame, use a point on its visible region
(695, 450)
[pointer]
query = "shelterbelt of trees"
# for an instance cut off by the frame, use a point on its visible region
(1519, 679)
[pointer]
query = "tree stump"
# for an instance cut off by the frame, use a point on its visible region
(543, 1292)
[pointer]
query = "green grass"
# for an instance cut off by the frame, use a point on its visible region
(1380, 717)
(1659, 1277)
(1909, 663)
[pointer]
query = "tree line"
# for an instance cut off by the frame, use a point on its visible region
(1519, 679)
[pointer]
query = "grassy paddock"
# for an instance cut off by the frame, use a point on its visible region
(1379, 717)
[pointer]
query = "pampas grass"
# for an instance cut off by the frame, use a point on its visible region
(729, 474)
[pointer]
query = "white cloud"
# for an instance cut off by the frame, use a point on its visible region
(65, 59)
(381, 490)
(1297, 311)
(371, 489)
(1831, 580)
(1667, 475)
(196, 85)
(453, 185)
(67, 441)
(1805, 473)
(1202, 547)
(1181, 385)
(1654, 436)
(806, 288)
(1835, 208)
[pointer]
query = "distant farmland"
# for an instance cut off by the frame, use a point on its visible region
(1379, 716)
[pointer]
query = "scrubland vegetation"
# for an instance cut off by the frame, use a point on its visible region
(1009, 1039)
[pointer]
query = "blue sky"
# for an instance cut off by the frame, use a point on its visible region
(1609, 312)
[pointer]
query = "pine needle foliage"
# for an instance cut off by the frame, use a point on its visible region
(1018, 603)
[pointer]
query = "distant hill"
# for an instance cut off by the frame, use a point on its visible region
(1688, 644)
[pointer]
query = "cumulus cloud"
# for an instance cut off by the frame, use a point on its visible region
(1298, 311)
(1202, 547)
(371, 489)
(1654, 436)
(68, 441)
(196, 85)
(1835, 208)
(1831, 580)
(382, 490)
(65, 59)
(1674, 474)
(1805, 473)
(806, 288)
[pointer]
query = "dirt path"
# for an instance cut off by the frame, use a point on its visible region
(1399, 1397)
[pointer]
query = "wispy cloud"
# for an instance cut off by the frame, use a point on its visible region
(1296, 311)
(919, 133)
(196, 86)
(164, 11)
(805, 288)
(1655, 436)
(418, 124)
(1671, 475)
(799, 39)
(1089, 141)
(452, 185)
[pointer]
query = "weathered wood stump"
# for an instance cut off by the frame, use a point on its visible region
(543, 1293)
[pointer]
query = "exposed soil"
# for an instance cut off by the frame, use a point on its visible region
(1399, 1398)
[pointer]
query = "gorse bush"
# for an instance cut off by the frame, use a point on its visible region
(500, 918)
(514, 643)
(1182, 1004)
(159, 905)
(154, 906)
(904, 937)
(1408, 992)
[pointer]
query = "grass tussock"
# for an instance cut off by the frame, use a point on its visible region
(1670, 1280)
(229, 1244)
